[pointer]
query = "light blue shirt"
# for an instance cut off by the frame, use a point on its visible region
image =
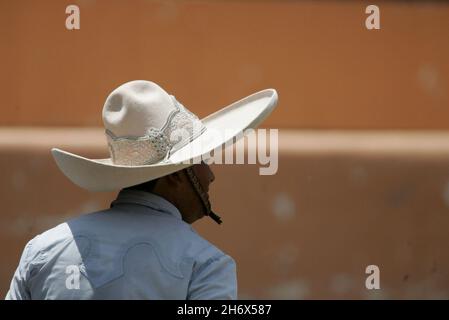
(140, 248)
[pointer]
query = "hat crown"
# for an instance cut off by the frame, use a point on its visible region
(144, 124)
(134, 107)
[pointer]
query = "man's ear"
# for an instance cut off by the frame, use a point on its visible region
(175, 178)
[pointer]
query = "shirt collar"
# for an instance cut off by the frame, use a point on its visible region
(147, 199)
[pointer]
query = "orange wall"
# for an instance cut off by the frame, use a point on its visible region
(330, 71)
(338, 203)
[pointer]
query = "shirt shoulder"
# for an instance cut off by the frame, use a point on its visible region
(214, 274)
(202, 249)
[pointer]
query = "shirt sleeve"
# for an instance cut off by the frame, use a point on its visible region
(214, 280)
(19, 288)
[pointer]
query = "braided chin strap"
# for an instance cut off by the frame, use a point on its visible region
(202, 195)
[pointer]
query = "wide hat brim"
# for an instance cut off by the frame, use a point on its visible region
(104, 175)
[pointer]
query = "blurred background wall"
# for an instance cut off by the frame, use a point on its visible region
(363, 116)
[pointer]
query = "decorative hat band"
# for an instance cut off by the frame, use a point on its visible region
(180, 128)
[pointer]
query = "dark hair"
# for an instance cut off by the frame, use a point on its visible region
(147, 186)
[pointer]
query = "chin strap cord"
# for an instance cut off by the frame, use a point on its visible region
(202, 195)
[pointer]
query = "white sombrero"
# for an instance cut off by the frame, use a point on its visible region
(150, 135)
